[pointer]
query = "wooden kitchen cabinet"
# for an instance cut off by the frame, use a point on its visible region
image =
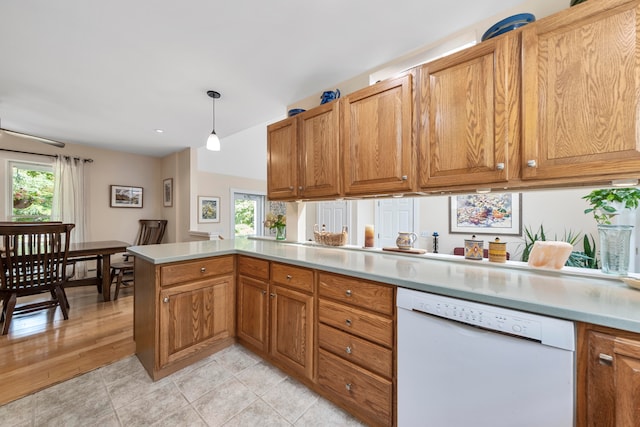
(282, 159)
(608, 383)
(304, 155)
(469, 116)
(581, 91)
(253, 303)
(376, 133)
(356, 339)
(183, 312)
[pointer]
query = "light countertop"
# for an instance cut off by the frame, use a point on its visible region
(573, 294)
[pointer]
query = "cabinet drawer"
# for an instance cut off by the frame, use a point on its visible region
(357, 350)
(361, 293)
(195, 270)
(359, 322)
(254, 267)
(361, 390)
(295, 277)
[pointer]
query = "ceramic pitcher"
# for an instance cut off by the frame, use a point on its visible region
(405, 239)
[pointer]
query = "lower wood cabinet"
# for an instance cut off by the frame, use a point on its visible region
(183, 312)
(276, 313)
(608, 383)
(356, 340)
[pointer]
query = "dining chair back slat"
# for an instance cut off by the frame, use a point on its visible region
(33, 260)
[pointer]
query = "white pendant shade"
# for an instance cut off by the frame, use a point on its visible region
(213, 142)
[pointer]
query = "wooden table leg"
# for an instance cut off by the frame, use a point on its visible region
(106, 277)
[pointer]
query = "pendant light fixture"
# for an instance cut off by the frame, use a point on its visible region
(213, 142)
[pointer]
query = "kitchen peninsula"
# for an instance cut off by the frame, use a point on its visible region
(189, 300)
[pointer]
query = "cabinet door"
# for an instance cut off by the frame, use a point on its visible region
(292, 329)
(627, 366)
(194, 316)
(469, 112)
(320, 169)
(282, 159)
(252, 312)
(581, 82)
(376, 133)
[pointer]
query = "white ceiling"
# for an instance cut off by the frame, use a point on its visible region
(108, 73)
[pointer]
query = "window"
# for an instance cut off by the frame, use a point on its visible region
(31, 190)
(248, 213)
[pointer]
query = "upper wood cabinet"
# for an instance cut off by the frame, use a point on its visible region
(282, 159)
(377, 138)
(581, 83)
(304, 155)
(469, 115)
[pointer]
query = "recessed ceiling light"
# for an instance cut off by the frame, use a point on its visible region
(159, 130)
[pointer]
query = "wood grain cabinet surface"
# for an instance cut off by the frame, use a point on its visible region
(183, 312)
(356, 339)
(581, 83)
(608, 384)
(469, 110)
(376, 132)
(282, 159)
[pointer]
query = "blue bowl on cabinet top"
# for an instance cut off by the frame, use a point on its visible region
(295, 111)
(508, 24)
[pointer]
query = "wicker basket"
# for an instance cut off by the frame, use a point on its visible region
(331, 239)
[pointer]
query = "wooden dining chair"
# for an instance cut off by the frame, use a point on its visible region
(150, 232)
(33, 259)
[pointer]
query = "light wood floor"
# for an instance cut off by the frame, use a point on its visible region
(43, 349)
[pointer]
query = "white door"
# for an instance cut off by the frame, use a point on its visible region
(392, 216)
(333, 215)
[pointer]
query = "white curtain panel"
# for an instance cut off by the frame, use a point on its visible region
(69, 202)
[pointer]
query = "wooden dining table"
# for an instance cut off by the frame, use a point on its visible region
(102, 250)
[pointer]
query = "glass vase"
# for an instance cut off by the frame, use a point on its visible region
(615, 248)
(281, 232)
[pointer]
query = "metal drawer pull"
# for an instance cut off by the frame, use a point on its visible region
(348, 322)
(288, 277)
(272, 295)
(165, 299)
(605, 359)
(348, 386)
(264, 292)
(348, 350)
(500, 166)
(348, 293)
(531, 163)
(202, 269)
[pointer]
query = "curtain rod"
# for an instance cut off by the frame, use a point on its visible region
(48, 155)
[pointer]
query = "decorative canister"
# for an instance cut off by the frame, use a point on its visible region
(473, 248)
(497, 251)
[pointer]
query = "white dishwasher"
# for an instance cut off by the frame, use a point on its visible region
(462, 363)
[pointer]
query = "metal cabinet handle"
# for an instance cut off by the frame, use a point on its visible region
(531, 163)
(291, 188)
(348, 386)
(605, 359)
(348, 322)
(272, 295)
(348, 292)
(500, 166)
(300, 188)
(264, 292)
(404, 177)
(202, 269)
(348, 350)
(288, 277)
(165, 299)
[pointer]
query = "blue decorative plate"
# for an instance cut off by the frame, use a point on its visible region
(295, 111)
(508, 24)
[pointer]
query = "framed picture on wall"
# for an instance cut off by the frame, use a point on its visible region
(491, 213)
(125, 196)
(167, 192)
(208, 209)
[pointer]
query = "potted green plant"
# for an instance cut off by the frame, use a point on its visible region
(606, 206)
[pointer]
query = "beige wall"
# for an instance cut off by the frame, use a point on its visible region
(108, 168)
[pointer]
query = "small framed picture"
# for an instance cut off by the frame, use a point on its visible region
(493, 213)
(167, 192)
(125, 196)
(208, 209)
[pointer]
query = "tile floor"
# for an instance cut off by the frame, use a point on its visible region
(230, 388)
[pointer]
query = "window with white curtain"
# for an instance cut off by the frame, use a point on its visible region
(31, 187)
